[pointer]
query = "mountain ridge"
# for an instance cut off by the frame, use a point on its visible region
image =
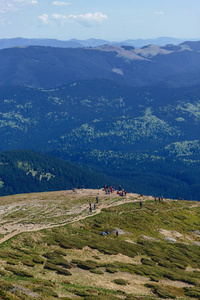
(75, 43)
(36, 65)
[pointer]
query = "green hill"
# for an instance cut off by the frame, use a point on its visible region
(25, 171)
(51, 247)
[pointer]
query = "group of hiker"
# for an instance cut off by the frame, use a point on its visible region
(111, 189)
(107, 232)
(94, 205)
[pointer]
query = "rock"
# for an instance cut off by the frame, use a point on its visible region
(170, 239)
(196, 232)
(149, 238)
(197, 243)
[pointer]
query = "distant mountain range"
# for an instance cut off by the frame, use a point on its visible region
(46, 67)
(131, 113)
(74, 43)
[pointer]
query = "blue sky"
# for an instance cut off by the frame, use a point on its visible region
(113, 20)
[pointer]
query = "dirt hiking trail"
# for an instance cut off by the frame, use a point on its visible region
(37, 211)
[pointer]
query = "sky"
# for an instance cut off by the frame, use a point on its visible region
(113, 20)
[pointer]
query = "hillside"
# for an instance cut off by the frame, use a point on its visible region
(36, 66)
(25, 171)
(148, 137)
(51, 247)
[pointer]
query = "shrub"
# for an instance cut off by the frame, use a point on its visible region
(111, 269)
(149, 262)
(12, 262)
(154, 278)
(18, 272)
(161, 291)
(121, 281)
(60, 262)
(192, 292)
(28, 263)
(62, 271)
(50, 266)
(96, 271)
(47, 291)
(38, 260)
(87, 265)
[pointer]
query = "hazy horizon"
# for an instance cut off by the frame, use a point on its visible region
(107, 20)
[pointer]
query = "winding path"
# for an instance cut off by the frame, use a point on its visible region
(128, 199)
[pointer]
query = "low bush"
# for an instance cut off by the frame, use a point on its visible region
(87, 265)
(60, 261)
(111, 269)
(27, 262)
(62, 271)
(38, 260)
(154, 278)
(46, 291)
(192, 292)
(161, 291)
(121, 281)
(12, 262)
(96, 271)
(18, 272)
(149, 262)
(50, 266)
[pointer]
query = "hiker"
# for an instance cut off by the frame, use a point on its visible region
(117, 233)
(125, 192)
(97, 199)
(94, 206)
(140, 204)
(90, 209)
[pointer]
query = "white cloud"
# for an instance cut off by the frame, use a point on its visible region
(13, 5)
(89, 19)
(44, 18)
(59, 17)
(61, 3)
(159, 13)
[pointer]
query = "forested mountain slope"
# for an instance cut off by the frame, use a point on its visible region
(46, 67)
(28, 171)
(147, 136)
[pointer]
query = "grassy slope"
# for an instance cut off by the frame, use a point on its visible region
(75, 261)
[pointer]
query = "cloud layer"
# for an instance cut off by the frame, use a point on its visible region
(61, 3)
(13, 5)
(87, 20)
